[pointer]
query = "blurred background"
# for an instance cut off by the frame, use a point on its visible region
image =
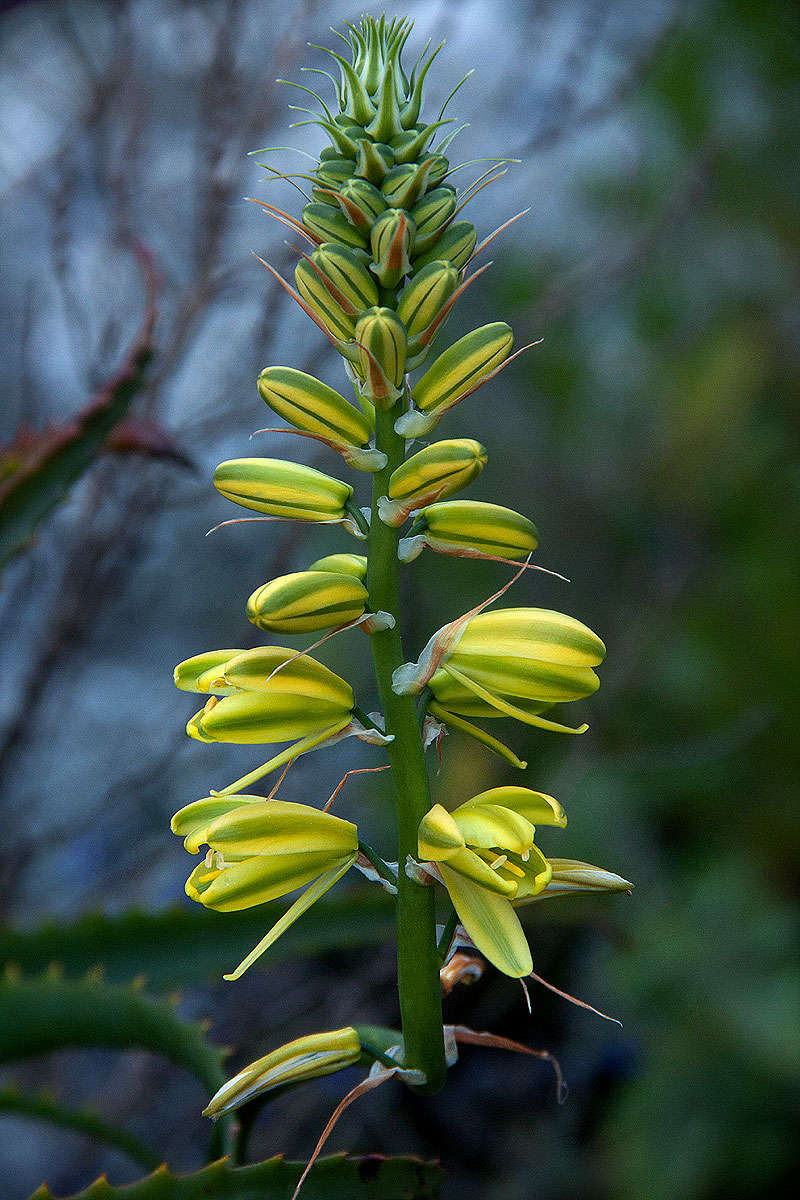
(653, 438)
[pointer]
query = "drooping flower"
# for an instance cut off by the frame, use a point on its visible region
(486, 857)
(260, 850)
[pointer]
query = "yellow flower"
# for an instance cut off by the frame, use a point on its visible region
(260, 850)
(485, 854)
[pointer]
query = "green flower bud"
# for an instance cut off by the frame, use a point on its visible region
(344, 564)
(403, 186)
(282, 489)
(381, 339)
(306, 601)
(455, 244)
(457, 372)
(386, 123)
(424, 296)
(431, 215)
(391, 238)
(438, 470)
(305, 1058)
(470, 528)
(320, 411)
(374, 160)
(332, 174)
(329, 224)
(361, 203)
(439, 168)
(518, 662)
(317, 294)
(347, 277)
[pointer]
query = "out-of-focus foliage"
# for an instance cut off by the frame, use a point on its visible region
(653, 439)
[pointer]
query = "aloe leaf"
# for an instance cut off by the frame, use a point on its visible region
(36, 472)
(334, 1178)
(182, 947)
(46, 1109)
(46, 1013)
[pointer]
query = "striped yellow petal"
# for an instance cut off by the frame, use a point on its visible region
(283, 489)
(307, 600)
(491, 922)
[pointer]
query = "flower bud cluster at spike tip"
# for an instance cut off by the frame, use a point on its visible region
(305, 1058)
(282, 489)
(439, 470)
(470, 528)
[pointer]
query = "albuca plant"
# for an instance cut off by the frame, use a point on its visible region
(386, 256)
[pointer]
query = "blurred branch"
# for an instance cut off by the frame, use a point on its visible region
(41, 469)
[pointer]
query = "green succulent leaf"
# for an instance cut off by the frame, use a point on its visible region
(335, 1178)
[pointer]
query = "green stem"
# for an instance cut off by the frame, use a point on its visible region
(417, 959)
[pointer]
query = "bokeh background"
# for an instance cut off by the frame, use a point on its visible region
(652, 436)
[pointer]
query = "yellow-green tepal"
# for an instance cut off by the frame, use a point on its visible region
(392, 237)
(380, 337)
(455, 244)
(486, 856)
(469, 529)
(318, 410)
(307, 600)
(438, 470)
(345, 564)
(457, 372)
(518, 662)
(339, 322)
(346, 276)
(261, 704)
(328, 223)
(571, 876)
(282, 489)
(260, 850)
(307, 1057)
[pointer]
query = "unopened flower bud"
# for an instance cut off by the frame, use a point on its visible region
(329, 223)
(282, 489)
(423, 298)
(315, 408)
(403, 186)
(306, 601)
(344, 564)
(381, 339)
(457, 372)
(331, 174)
(346, 276)
(470, 528)
(391, 238)
(374, 160)
(431, 215)
(438, 470)
(361, 202)
(319, 298)
(455, 244)
(306, 1058)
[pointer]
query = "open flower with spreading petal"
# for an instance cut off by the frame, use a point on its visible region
(260, 850)
(485, 855)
